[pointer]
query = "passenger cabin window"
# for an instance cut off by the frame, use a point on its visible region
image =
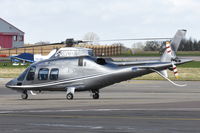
(80, 61)
(43, 74)
(54, 74)
(31, 73)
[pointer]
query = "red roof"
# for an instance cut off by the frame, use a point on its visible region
(9, 33)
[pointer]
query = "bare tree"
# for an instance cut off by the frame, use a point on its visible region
(42, 43)
(91, 36)
(138, 45)
(152, 46)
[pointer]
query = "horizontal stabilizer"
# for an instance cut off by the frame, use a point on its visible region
(163, 65)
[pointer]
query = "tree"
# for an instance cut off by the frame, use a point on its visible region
(91, 36)
(152, 46)
(42, 43)
(189, 45)
(138, 45)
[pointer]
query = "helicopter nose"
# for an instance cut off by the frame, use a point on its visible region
(11, 83)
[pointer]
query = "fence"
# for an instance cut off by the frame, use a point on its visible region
(104, 50)
(99, 50)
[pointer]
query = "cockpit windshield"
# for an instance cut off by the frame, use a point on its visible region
(22, 76)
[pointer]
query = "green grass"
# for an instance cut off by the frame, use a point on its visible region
(188, 53)
(140, 53)
(9, 72)
(152, 54)
(156, 53)
(185, 74)
(9, 65)
(193, 64)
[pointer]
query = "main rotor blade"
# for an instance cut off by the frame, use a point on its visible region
(133, 39)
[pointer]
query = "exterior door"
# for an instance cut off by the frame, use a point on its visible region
(6, 41)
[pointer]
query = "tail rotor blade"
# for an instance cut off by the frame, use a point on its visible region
(169, 51)
(175, 70)
(168, 48)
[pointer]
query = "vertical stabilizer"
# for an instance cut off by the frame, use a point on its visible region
(171, 54)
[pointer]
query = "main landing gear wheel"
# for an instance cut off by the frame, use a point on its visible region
(70, 96)
(24, 95)
(95, 96)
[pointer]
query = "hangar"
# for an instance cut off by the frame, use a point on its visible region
(10, 36)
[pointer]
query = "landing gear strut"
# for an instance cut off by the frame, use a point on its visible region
(95, 94)
(24, 94)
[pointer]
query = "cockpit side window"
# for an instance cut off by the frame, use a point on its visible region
(101, 61)
(43, 74)
(31, 73)
(54, 74)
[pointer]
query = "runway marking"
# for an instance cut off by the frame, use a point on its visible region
(101, 117)
(69, 126)
(98, 110)
(18, 114)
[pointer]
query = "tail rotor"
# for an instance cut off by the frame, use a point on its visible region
(170, 52)
(175, 70)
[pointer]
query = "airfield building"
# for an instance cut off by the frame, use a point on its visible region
(10, 36)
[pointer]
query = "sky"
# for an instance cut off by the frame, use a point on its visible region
(56, 20)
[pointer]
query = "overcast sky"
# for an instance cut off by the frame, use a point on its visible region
(56, 20)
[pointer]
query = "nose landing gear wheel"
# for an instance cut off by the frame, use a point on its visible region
(24, 95)
(70, 96)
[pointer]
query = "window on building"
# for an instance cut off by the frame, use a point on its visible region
(43, 74)
(54, 74)
(15, 38)
(21, 38)
(31, 73)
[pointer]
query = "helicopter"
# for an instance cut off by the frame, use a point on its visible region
(84, 72)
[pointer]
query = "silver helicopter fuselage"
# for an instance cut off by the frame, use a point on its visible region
(83, 73)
